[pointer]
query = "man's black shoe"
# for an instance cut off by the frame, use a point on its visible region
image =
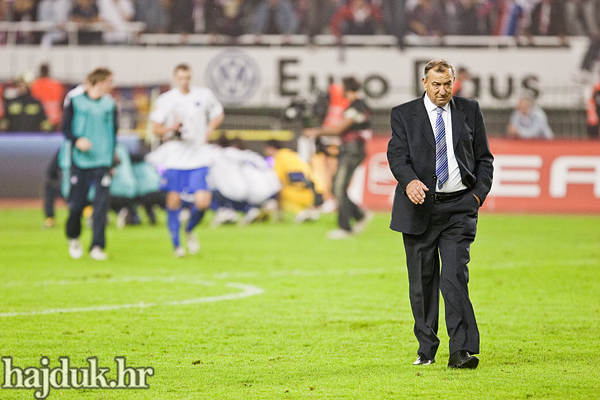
(462, 359)
(423, 361)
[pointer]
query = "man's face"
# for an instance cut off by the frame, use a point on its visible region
(182, 79)
(103, 87)
(524, 106)
(107, 84)
(438, 86)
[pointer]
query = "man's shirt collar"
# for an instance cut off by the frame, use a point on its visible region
(429, 106)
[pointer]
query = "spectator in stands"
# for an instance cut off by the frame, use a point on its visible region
(318, 16)
(586, 14)
(529, 121)
(154, 13)
(3, 10)
(1, 104)
(51, 93)
(427, 19)
(582, 19)
(24, 10)
(548, 18)
(463, 85)
(274, 17)
(181, 16)
(23, 112)
(115, 14)
(395, 19)
(593, 113)
(85, 13)
(56, 11)
(224, 17)
(503, 17)
(467, 18)
(357, 17)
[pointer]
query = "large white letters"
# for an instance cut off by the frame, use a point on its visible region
(574, 169)
(516, 176)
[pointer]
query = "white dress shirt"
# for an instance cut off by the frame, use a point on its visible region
(454, 182)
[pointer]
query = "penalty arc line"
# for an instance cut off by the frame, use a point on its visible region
(246, 291)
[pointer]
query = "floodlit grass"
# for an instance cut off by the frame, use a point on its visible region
(333, 320)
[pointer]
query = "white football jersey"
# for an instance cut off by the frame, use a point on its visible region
(194, 111)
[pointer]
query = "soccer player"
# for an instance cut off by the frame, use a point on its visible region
(184, 117)
(90, 123)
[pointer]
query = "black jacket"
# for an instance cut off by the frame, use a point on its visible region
(411, 155)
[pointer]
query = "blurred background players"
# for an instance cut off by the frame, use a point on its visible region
(326, 110)
(301, 192)
(90, 123)
(184, 117)
(22, 111)
(241, 181)
(135, 183)
(354, 129)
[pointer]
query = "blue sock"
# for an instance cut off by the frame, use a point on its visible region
(195, 219)
(173, 224)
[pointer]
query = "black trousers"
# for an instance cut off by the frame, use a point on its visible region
(351, 156)
(446, 244)
(51, 193)
(81, 181)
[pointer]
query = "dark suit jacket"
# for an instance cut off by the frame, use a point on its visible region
(411, 155)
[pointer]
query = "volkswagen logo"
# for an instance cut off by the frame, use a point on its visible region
(233, 77)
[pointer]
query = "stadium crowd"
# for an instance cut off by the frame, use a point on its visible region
(311, 17)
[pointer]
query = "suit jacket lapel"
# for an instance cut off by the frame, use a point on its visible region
(458, 121)
(423, 123)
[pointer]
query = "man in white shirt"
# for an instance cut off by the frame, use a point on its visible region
(116, 14)
(529, 121)
(184, 117)
(56, 11)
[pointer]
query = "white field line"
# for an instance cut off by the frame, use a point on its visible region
(219, 276)
(246, 291)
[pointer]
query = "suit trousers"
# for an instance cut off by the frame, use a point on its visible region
(448, 237)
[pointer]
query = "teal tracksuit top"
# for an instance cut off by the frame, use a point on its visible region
(95, 120)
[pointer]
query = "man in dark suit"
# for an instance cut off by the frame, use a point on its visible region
(440, 156)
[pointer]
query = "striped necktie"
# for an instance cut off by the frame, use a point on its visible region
(441, 152)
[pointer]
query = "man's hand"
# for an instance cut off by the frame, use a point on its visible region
(478, 199)
(161, 130)
(83, 144)
(415, 191)
(310, 132)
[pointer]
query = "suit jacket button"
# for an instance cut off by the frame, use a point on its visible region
(435, 177)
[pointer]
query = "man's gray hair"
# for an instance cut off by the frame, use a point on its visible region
(439, 65)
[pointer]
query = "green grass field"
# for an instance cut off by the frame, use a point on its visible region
(277, 311)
